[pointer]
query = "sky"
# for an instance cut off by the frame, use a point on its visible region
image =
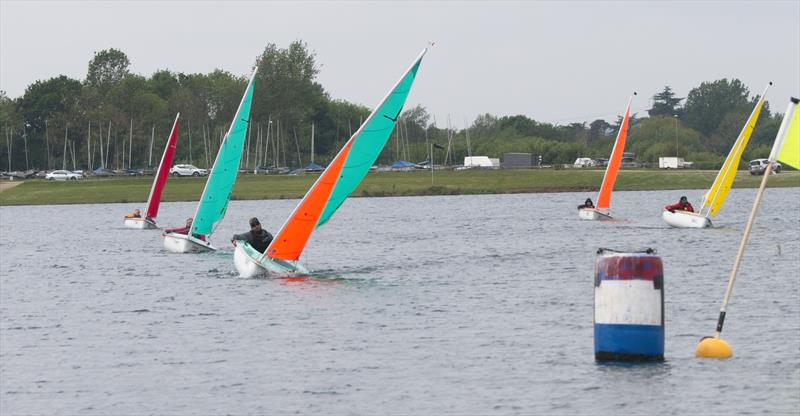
(558, 62)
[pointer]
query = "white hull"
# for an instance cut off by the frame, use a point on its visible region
(593, 215)
(683, 219)
(140, 224)
(246, 260)
(182, 243)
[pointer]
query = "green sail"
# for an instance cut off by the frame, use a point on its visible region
(370, 142)
(220, 182)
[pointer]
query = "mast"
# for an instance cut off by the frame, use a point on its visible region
(154, 199)
(312, 142)
(130, 144)
(64, 155)
(47, 145)
(189, 125)
(89, 148)
(723, 180)
(25, 142)
(102, 157)
(152, 139)
(615, 161)
(108, 143)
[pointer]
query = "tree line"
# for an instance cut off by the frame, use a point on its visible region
(118, 119)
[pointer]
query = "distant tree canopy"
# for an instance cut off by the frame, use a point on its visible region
(115, 118)
(666, 104)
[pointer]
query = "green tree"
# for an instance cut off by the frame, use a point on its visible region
(666, 104)
(107, 68)
(53, 99)
(707, 105)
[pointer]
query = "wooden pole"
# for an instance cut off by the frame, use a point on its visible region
(740, 253)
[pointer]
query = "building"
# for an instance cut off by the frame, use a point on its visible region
(521, 160)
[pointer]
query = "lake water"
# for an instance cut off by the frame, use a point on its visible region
(420, 305)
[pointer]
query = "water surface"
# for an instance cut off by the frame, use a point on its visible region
(420, 305)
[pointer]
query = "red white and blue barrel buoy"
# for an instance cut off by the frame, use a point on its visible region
(628, 306)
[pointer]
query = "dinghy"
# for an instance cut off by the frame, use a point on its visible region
(715, 197)
(335, 184)
(154, 200)
(600, 212)
(217, 193)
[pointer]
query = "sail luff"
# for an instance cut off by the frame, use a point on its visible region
(787, 144)
(290, 241)
(373, 134)
(216, 194)
(295, 232)
(615, 161)
(154, 200)
(716, 195)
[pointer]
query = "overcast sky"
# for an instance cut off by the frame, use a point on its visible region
(553, 61)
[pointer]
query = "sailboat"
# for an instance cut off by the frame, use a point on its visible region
(217, 193)
(334, 185)
(715, 197)
(600, 212)
(154, 200)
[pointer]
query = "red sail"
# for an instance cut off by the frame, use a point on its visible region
(163, 172)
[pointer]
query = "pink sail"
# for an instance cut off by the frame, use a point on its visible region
(163, 172)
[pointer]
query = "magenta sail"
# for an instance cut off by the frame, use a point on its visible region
(163, 172)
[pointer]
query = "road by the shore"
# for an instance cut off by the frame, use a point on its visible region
(6, 185)
(248, 186)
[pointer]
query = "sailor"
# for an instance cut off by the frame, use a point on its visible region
(587, 204)
(682, 205)
(257, 237)
(135, 214)
(185, 230)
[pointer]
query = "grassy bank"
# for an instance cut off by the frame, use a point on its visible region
(37, 192)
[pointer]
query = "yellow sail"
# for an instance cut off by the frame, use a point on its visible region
(715, 196)
(790, 150)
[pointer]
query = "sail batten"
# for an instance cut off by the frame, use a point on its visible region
(154, 200)
(715, 197)
(614, 162)
(217, 192)
(344, 173)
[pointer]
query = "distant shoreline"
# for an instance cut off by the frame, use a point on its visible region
(387, 184)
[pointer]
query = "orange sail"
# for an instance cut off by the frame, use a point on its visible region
(614, 163)
(295, 233)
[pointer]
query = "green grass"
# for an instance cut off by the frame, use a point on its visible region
(38, 192)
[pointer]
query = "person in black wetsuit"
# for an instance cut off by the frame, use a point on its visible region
(587, 204)
(258, 238)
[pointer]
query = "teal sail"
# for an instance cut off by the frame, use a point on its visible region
(369, 140)
(219, 186)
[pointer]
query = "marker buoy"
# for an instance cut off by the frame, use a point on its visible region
(628, 306)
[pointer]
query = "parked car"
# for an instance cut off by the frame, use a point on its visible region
(758, 166)
(63, 175)
(99, 172)
(187, 170)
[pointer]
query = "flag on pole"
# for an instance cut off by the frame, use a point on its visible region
(787, 143)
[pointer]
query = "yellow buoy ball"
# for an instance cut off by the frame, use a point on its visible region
(713, 348)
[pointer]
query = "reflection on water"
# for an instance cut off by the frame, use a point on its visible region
(428, 305)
